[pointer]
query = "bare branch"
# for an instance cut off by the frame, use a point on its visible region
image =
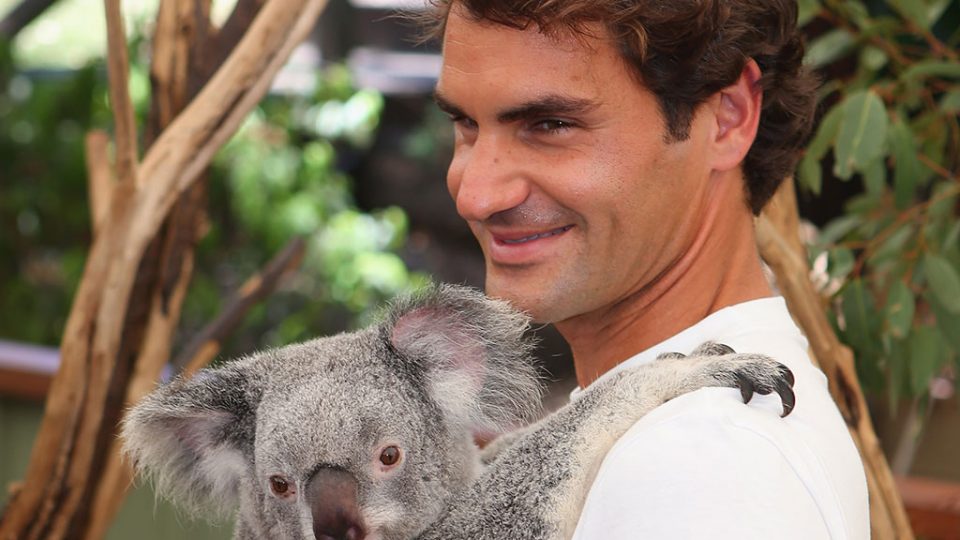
(204, 347)
(99, 177)
(780, 247)
(232, 30)
(118, 67)
(21, 16)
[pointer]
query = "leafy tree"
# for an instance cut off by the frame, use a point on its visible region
(890, 122)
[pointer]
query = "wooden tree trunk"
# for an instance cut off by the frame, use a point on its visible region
(21, 16)
(121, 318)
(184, 57)
(780, 246)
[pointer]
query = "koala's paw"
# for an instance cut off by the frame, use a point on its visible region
(751, 373)
(710, 348)
(754, 373)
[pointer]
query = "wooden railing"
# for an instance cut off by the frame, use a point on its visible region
(26, 370)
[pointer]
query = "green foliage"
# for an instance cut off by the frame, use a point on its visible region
(278, 178)
(44, 221)
(890, 122)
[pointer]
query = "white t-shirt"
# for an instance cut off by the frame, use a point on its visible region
(704, 465)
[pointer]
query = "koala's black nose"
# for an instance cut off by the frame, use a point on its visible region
(350, 534)
(332, 495)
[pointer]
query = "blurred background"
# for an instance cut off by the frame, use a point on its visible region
(349, 153)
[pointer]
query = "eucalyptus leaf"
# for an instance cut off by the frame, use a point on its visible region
(875, 177)
(810, 174)
(907, 169)
(873, 58)
(932, 68)
(863, 132)
(900, 309)
(950, 240)
(914, 11)
(860, 316)
(863, 205)
(826, 133)
(829, 48)
(948, 323)
(842, 262)
(893, 246)
(944, 198)
(838, 228)
(856, 12)
(897, 367)
(944, 281)
(806, 11)
(950, 102)
(926, 356)
(935, 10)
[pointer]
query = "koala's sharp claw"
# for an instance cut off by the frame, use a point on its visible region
(722, 348)
(764, 379)
(712, 348)
(746, 388)
(787, 396)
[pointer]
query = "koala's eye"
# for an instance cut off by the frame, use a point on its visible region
(390, 455)
(279, 485)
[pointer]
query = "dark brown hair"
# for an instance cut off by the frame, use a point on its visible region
(685, 51)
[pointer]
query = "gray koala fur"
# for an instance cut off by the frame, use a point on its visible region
(445, 364)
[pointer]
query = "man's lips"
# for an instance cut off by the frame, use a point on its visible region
(515, 239)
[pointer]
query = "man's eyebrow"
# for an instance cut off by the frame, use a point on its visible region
(446, 105)
(545, 106)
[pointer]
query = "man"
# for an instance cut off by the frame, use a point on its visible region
(610, 157)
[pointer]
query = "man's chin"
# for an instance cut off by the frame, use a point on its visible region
(530, 300)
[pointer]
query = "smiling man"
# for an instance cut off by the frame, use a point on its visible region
(610, 156)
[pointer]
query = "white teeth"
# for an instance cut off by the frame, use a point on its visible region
(538, 236)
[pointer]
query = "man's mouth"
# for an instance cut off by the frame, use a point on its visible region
(538, 236)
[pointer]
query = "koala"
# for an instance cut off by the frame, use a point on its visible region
(369, 435)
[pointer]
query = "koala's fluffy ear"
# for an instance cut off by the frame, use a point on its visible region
(474, 352)
(195, 437)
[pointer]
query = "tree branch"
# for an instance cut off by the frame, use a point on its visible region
(781, 248)
(99, 177)
(204, 347)
(21, 16)
(118, 68)
(184, 60)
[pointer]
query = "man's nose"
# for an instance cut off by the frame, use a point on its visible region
(486, 178)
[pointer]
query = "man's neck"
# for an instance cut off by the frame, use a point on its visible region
(721, 268)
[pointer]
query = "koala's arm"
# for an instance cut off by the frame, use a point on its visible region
(535, 487)
(505, 440)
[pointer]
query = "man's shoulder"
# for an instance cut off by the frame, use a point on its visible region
(708, 454)
(706, 465)
(697, 469)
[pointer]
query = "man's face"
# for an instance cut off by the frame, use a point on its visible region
(562, 168)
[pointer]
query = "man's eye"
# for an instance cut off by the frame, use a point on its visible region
(463, 121)
(552, 125)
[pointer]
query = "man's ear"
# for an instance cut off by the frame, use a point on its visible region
(195, 437)
(473, 353)
(737, 111)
